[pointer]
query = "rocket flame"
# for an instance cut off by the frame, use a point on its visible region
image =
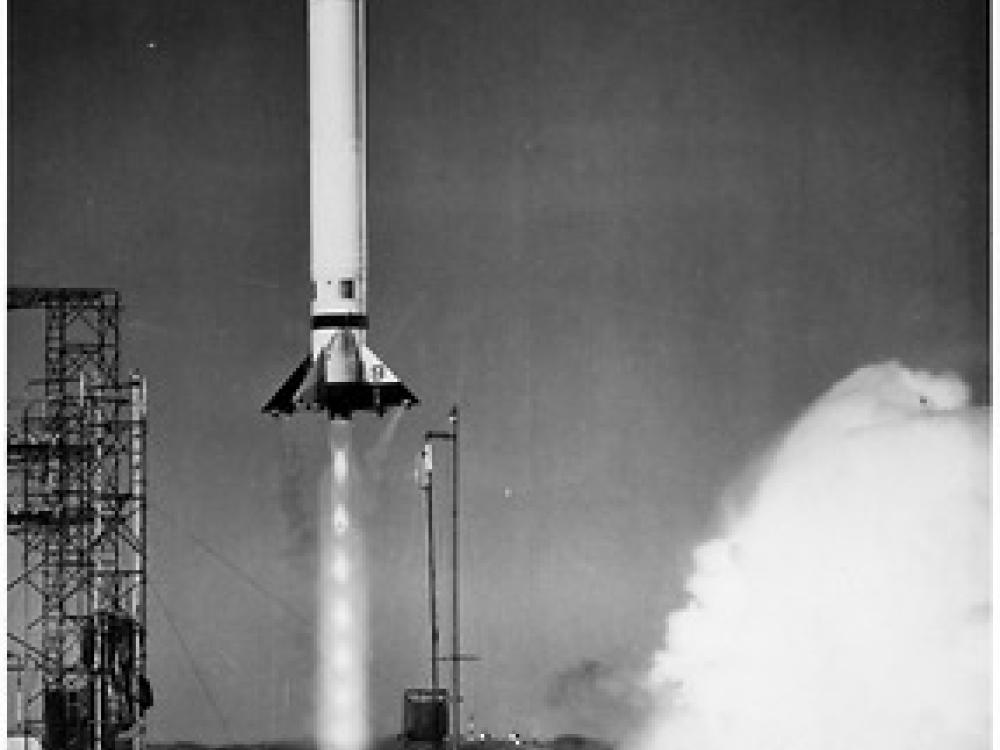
(340, 521)
(340, 469)
(340, 566)
(850, 606)
(341, 723)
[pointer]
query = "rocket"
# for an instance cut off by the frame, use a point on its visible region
(340, 375)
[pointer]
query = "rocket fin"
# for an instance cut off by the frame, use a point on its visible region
(284, 399)
(387, 390)
(316, 385)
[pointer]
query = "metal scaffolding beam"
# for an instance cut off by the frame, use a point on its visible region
(76, 517)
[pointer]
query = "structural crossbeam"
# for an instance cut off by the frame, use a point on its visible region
(26, 298)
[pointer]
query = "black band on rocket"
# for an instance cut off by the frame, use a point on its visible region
(339, 320)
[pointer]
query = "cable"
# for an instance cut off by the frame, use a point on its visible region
(233, 567)
(194, 666)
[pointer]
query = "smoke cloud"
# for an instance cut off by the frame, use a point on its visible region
(849, 606)
(597, 698)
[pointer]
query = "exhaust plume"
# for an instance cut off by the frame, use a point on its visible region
(849, 606)
(342, 648)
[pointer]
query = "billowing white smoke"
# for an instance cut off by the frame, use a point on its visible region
(849, 607)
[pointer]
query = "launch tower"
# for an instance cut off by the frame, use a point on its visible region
(76, 533)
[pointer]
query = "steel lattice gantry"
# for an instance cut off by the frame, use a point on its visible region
(76, 531)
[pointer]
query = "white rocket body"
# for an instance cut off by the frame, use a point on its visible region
(341, 375)
(336, 163)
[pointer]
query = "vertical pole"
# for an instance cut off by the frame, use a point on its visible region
(431, 568)
(56, 384)
(19, 705)
(137, 492)
(25, 562)
(101, 636)
(456, 731)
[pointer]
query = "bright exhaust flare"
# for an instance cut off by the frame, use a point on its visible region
(341, 709)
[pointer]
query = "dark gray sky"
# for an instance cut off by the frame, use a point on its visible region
(632, 238)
